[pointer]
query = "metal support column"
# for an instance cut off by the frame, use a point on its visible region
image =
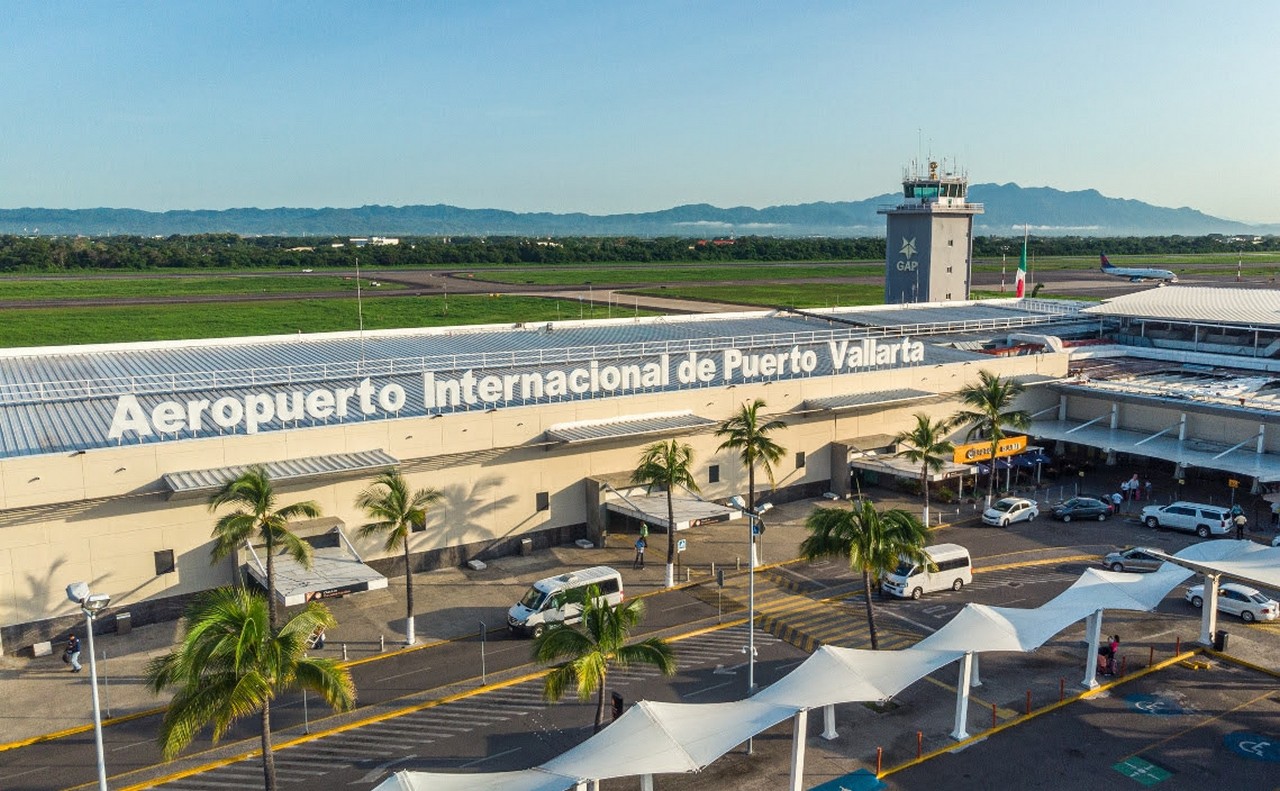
(798, 733)
(1093, 633)
(961, 731)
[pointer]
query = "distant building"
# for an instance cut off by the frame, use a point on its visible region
(929, 239)
(383, 240)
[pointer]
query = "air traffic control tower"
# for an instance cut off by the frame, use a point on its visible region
(929, 239)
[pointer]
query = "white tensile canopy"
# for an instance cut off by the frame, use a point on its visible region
(656, 738)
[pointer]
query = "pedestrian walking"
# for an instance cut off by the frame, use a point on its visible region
(638, 563)
(1135, 487)
(1148, 490)
(1275, 515)
(1240, 521)
(1124, 489)
(72, 654)
(1117, 500)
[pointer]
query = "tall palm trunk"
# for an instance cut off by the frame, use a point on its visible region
(271, 584)
(991, 480)
(409, 636)
(600, 707)
(871, 615)
(268, 758)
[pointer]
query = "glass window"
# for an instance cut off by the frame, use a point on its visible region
(713, 473)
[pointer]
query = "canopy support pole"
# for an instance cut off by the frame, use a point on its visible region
(799, 730)
(962, 698)
(829, 722)
(975, 681)
(1209, 610)
(1093, 633)
(646, 782)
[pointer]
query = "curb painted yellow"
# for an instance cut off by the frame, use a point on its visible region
(1025, 563)
(1235, 660)
(80, 729)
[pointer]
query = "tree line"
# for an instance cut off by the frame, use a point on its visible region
(231, 251)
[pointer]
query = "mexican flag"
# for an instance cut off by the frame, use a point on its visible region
(1022, 265)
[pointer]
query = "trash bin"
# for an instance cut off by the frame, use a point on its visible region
(124, 622)
(526, 546)
(1220, 640)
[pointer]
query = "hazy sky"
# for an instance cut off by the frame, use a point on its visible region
(605, 107)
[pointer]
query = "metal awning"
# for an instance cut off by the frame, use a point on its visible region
(1209, 455)
(336, 568)
(688, 511)
(633, 426)
(1033, 380)
(888, 464)
(192, 483)
(861, 400)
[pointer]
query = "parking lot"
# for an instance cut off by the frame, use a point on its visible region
(1176, 728)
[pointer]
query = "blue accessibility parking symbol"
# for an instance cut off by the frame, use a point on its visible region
(1161, 705)
(1254, 745)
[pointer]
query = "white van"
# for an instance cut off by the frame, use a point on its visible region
(556, 601)
(949, 567)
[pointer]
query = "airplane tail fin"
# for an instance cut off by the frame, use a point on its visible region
(1105, 263)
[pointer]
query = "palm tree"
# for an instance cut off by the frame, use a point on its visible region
(667, 464)
(929, 447)
(231, 664)
(988, 413)
(745, 433)
(257, 515)
(397, 510)
(600, 642)
(873, 542)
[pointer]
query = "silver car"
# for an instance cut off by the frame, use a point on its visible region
(1239, 600)
(1132, 559)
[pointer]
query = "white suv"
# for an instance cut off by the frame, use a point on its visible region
(1203, 520)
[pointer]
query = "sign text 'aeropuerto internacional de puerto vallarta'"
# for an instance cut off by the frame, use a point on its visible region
(254, 410)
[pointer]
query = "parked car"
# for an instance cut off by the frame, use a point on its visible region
(1009, 510)
(1132, 559)
(1082, 508)
(1239, 600)
(1105, 499)
(1203, 520)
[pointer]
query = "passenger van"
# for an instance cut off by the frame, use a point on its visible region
(556, 601)
(949, 566)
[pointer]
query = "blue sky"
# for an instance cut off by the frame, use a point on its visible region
(613, 107)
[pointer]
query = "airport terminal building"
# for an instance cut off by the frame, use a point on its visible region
(108, 454)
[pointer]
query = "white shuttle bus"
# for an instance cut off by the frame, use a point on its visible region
(556, 601)
(949, 567)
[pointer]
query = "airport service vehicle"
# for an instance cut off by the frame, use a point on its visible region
(949, 566)
(1009, 510)
(1082, 508)
(1138, 274)
(1203, 520)
(557, 601)
(1239, 600)
(1132, 559)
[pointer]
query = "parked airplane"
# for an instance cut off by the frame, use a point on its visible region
(1138, 274)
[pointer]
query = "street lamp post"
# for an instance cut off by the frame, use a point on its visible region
(91, 604)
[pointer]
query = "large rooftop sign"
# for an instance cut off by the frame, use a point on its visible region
(251, 410)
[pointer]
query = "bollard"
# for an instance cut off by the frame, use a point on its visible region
(1062, 689)
(713, 568)
(382, 643)
(1028, 703)
(919, 744)
(1177, 646)
(879, 759)
(687, 572)
(344, 652)
(1151, 657)
(1124, 660)
(739, 560)
(993, 715)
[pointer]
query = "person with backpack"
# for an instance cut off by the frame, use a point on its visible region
(638, 563)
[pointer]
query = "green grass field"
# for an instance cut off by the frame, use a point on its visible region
(678, 273)
(63, 326)
(167, 286)
(796, 295)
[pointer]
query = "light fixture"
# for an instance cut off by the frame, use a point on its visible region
(91, 604)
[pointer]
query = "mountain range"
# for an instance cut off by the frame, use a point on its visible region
(1048, 212)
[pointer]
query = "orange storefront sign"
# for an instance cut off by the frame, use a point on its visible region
(981, 451)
